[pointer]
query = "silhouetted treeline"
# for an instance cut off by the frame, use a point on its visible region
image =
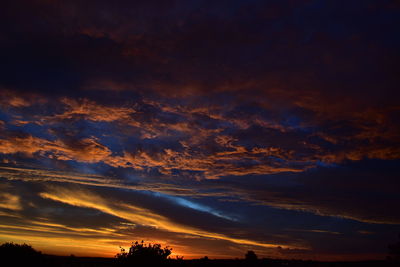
(141, 254)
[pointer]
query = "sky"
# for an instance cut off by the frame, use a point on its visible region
(213, 127)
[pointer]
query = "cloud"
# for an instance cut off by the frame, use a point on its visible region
(11, 99)
(134, 214)
(350, 191)
(127, 203)
(86, 150)
(289, 107)
(9, 201)
(209, 143)
(89, 110)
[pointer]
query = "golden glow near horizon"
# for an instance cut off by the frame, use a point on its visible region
(61, 239)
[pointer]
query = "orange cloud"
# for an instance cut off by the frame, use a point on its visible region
(8, 98)
(9, 201)
(136, 214)
(27, 144)
(90, 110)
(86, 150)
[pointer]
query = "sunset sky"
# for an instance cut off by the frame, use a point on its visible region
(214, 127)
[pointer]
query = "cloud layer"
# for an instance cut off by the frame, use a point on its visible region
(264, 125)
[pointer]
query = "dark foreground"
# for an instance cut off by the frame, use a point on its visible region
(141, 255)
(49, 260)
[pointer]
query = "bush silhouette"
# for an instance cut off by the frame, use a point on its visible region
(18, 255)
(142, 253)
(394, 251)
(251, 256)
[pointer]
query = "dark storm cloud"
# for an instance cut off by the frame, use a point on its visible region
(201, 46)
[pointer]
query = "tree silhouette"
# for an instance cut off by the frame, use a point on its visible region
(140, 252)
(20, 255)
(394, 251)
(251, 256)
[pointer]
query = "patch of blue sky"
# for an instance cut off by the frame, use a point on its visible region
(276, 159)
(89, 128)
(292, 122)
(160, 143)
(320, 163)
(34, 130)
(113, 142)
(4, 116)
(192, 205)
(86, 168)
